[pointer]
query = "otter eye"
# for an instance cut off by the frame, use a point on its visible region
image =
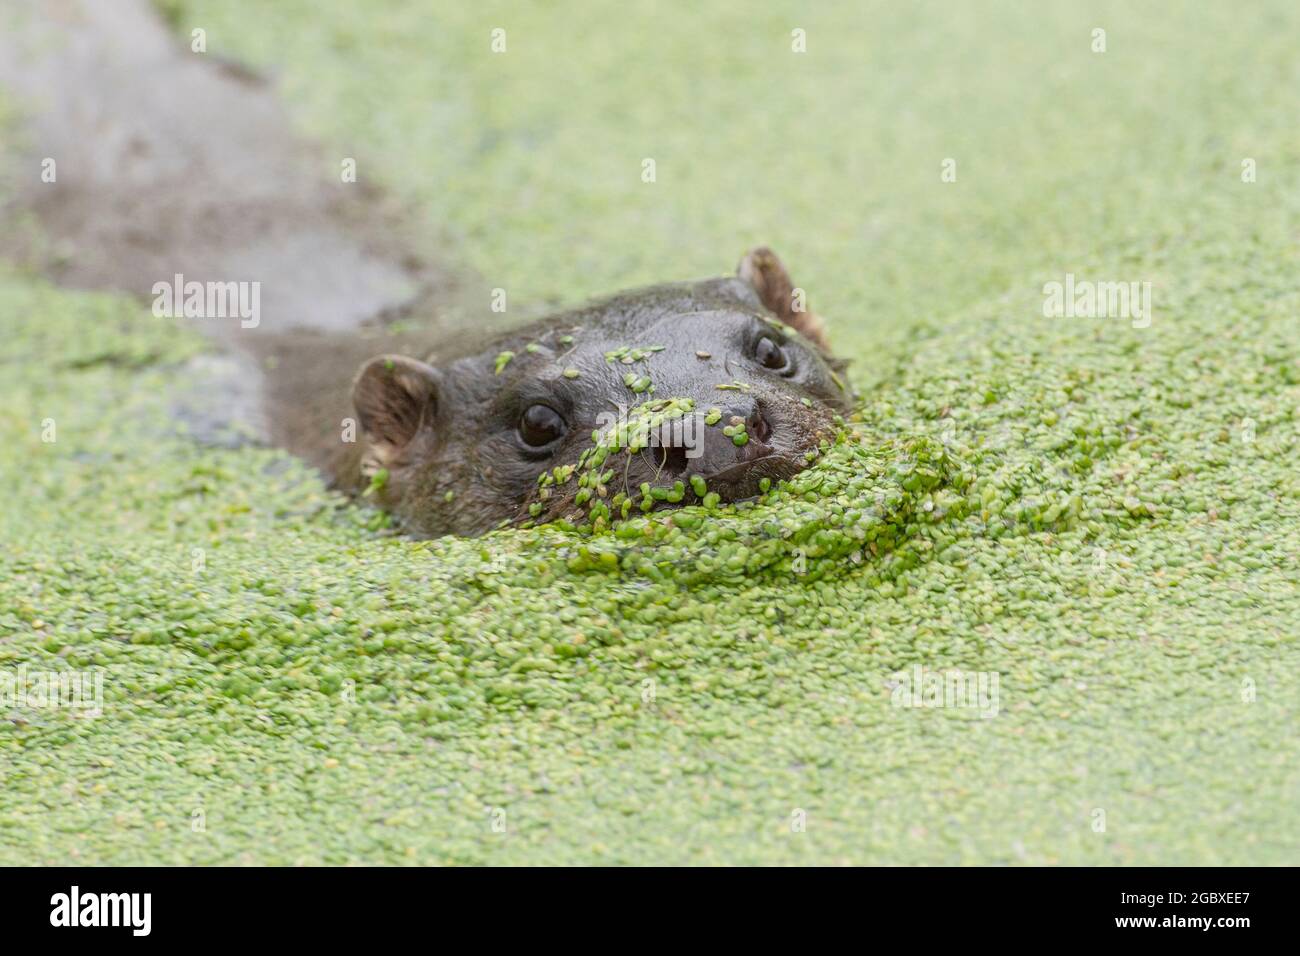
(770, 355)
(540, 425)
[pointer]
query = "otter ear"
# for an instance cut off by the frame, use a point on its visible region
(394, 396)
(766, 275)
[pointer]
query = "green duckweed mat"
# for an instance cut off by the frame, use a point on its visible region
(1101, 513)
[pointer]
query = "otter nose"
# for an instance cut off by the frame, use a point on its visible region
(756, 426)
(741, 434)
(689, 447)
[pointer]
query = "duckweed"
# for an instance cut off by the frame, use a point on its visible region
(627, 354)
(378, 481)
(677, 687)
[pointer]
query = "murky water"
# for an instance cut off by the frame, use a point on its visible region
(172, 162)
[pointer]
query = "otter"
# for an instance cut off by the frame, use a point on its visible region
(732, 378)
(697, 391)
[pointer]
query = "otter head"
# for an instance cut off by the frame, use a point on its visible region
(652, 398)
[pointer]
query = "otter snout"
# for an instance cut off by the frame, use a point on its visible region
(732, 453)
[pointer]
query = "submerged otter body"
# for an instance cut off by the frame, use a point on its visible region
(728, 378)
